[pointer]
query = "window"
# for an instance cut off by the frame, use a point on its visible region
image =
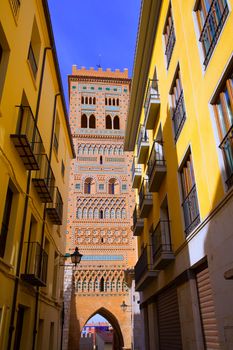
(34, 49)
(101, 159)
(90, 100)
(101, 187)
(177, 105)
(223, 110)
(106, 101)
(190, 201)
(124, 187)
(79, 213)
(101, 216)
(6, 221)
(88, 186)
(62, 168)
(19, 327)
(82, 100)
(92, 122)
(169, 36)
(116, 123)
(117, 101)
(108, 122)
(56, 134)
(113, 186)
(86, 100)
(211, 16)
(94, 100)
(77, 186)
(4, 58)
(109, 101)
(102, 284)
(84, 121)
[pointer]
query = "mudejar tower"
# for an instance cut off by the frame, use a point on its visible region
(101, 202)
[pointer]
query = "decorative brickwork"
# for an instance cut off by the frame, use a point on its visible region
(101, 200)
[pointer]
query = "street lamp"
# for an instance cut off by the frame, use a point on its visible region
(123, 306)
(76, 257)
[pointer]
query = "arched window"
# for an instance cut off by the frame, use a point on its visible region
(86, 100)
(109, 101)
(90, 213)
(118, 213)
(108, 122)
(79, 150)
(102, 284)
(94, 100)
(101, 159)
(84, 288)
(92, 122)
(101, 150)
(113, 101)
(117, 101)
(101, 214)
(123, 214)
(90, 150)
(90, 100)
(88, 186)
(116, 122)
(90, 285)
(82, 100)
(96, 212)
(79, 213)
(85, 150)
(113, 186)
(108, 284)
(84, 213)
(106, 214)
(96, 284)
(115, 150)
(84, 121)
(118, 285)
(106, 101)
(112, 214)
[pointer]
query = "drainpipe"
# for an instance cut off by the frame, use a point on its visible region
(17, 276)
(43, 226)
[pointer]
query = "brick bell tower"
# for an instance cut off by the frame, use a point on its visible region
(100, 205)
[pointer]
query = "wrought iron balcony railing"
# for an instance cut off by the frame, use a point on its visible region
(144, 271)
(144, 192)
(191, 210)
(138, 223)
(27, 139)
(136, 172)
(227, 148)
(212, 27)
(156, 162)
(152, 103)
(142, 137)
(36, 265)
(161, 244)
(179, 116)
(43, 180)
(55, 208)
(170, 43)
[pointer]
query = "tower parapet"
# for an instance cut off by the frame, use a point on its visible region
(100, 73)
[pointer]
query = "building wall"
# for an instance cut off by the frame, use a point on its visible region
(21, 24)
(210, 236)
(100, 222)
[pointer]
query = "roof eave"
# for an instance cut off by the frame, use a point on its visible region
(148, 22)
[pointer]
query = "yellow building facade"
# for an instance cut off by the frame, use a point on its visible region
(35, 152)
(180, 128)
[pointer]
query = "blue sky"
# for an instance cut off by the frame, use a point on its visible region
(89, 32)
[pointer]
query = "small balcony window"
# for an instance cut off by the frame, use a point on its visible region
(223, 109)
(190, 201)
(169, 36)
(177, 105)
(34, 50)
(211, 16)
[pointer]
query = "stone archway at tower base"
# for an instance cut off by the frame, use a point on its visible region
(83, 309)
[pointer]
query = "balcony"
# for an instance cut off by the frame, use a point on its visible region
(144, 272)
(142, 145)
(212, 27)
(27, 140)
(138, 223)
(44, 180)
(54, 210)
(156, 167)
(162, 253)
(145, 200)
(36, 265)
(136, 171)
(227, 148)
(179, 116)
(152, 104)
(191, 211)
